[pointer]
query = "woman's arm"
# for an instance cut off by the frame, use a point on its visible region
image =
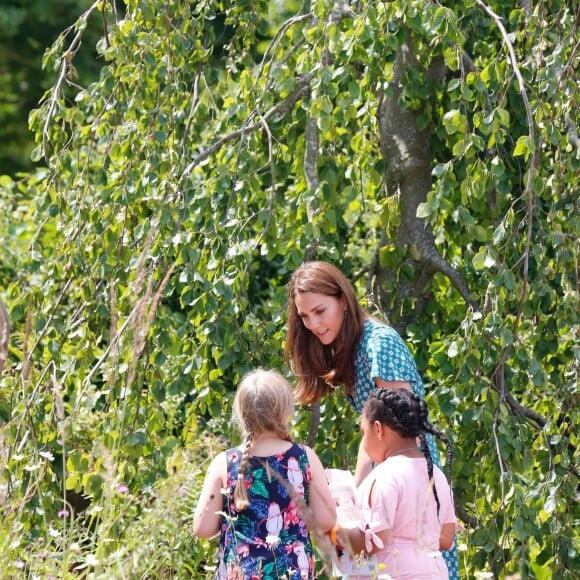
(207, 520)
(320, 501)
(392, 384)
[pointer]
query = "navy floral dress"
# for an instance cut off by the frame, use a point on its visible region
(269, 539)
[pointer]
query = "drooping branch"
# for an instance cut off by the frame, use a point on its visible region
(276, 40)
(572, 132)
(532, 161)
(281, 108)
(63, 75)
(499, 384)
(466, 518)
(145, 316)
(4, 335)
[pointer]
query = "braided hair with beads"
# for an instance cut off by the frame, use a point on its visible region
(406, 413)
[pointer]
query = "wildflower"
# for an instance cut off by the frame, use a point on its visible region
(53, 533)
(122, 488)
(63, 513)
(92, 560)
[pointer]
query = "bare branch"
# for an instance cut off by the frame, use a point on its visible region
(314, 424)
(272, 197)
(193, 108)
(311, 159)
(311, 172)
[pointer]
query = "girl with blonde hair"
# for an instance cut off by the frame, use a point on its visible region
(265, 496)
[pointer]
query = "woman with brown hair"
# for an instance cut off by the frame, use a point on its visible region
(333, 342)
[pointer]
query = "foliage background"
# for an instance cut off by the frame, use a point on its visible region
(430, 151)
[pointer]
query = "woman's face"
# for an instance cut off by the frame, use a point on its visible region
(321, 314)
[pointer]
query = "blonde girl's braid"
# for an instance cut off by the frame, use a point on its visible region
(283, 431)
(264, 401)
(240, 492)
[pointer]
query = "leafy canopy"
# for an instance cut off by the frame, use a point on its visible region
(431, 151)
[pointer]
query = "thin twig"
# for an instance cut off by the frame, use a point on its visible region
(65, 64)
(280, 108)
(532, 161)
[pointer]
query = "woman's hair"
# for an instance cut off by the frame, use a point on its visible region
(318, 367)
(264, 401)
(407, 414)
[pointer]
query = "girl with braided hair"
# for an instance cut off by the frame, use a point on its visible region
(265, 496)
(406, 501)
(334, 346)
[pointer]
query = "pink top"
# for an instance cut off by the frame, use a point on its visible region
(405, 504)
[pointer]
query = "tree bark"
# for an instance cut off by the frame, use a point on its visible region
(407, 156)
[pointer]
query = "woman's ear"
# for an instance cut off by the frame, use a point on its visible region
(379, 430)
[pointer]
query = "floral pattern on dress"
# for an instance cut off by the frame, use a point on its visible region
(269, 539)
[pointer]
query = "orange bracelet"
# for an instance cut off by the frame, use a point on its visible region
(333, 533)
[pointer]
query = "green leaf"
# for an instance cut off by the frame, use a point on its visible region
(483, 260)
(524, 146)
(424, 210)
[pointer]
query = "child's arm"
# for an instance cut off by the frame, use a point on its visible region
(447, 536)
(320, 501)
(357, 542)
(207, 520)
(363, 466)
(446, 513)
